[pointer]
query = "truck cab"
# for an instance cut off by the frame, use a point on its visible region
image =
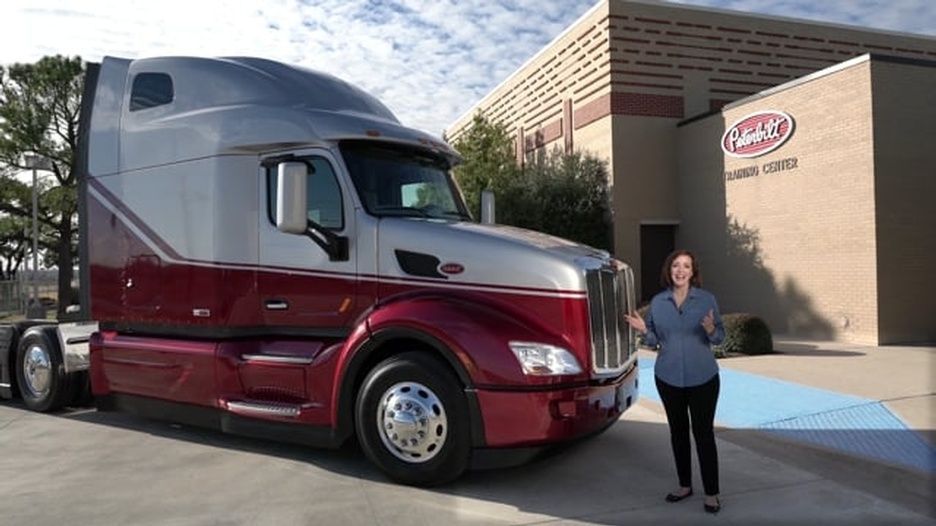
(270, 252)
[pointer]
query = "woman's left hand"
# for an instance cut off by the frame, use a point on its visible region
(708, 322)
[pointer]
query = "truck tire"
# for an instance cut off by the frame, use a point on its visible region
(9, 338)
(411, 418)
(40, 373)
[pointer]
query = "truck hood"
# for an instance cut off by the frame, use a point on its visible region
(471, 253)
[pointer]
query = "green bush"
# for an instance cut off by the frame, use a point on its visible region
(744, 334)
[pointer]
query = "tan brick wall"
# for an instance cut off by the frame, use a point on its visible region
(644, 174)
(905, 192)
(702, 209)
(797, 247)
(543, 136)
(596, 138)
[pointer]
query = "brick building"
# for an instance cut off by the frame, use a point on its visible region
(827, 234)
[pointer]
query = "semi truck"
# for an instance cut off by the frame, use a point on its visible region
(267, 251)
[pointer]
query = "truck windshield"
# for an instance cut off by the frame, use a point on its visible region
(394, 181)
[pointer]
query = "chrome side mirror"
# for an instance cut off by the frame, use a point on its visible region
(291, 205)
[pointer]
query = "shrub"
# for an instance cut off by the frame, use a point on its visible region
(744, 334)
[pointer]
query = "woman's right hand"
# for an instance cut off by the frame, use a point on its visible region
(636, 322)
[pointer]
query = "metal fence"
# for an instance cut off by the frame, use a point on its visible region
(15, 294)
(12, 298)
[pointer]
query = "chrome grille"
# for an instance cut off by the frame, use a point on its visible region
(610, 295)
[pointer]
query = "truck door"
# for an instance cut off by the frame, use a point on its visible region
(299, 286)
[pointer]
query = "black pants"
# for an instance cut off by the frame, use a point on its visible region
(699, 402)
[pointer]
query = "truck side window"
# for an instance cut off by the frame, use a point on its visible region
(324, 195)
(151, 90)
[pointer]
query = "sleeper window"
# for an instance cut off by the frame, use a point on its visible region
(151, 90)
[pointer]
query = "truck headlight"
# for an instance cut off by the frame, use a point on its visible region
(540, 359)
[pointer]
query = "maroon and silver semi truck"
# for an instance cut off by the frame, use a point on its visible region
(267, 251)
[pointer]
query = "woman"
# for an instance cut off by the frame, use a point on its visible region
(684, 321)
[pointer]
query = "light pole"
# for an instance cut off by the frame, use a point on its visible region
(36, 162)
(24, 277)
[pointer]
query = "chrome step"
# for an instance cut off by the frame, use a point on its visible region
(267, 409)
(275, 358)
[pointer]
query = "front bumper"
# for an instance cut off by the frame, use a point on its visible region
(533, 418)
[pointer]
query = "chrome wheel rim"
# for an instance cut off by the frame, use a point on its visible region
(411, 422)
(37, 371)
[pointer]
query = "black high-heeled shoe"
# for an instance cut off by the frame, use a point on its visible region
(673, 497)
(712, 509)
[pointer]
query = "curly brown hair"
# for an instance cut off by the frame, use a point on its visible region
(666, 277)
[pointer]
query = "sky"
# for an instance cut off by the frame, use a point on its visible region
(429, 61)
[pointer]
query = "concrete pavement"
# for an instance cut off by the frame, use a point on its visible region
(85, 467)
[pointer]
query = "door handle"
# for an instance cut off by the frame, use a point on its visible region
(276, 304)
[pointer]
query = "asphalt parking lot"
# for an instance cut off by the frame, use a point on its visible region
(86, 467)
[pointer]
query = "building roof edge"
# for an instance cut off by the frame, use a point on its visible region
(835, 68)
(781, 18)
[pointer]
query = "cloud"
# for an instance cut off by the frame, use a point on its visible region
(428, 60)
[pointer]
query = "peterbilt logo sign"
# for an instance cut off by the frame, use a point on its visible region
(757, 134)
(452, 268)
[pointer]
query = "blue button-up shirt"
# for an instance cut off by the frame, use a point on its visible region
(685, 358)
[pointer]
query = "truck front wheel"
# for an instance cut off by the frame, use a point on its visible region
(40, 373)
(412, 420)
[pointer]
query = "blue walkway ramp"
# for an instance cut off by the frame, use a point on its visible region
(850, 424)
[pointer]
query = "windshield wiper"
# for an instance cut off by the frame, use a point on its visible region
(402, 211)
(455, 213)
(430, 211)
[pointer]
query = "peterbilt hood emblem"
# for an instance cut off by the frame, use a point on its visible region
(757, 134)
(426, 265)
(451, 268)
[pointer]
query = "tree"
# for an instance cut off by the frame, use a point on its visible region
(39, 105)
(489, 161)
(13, 243)
(565, 195)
